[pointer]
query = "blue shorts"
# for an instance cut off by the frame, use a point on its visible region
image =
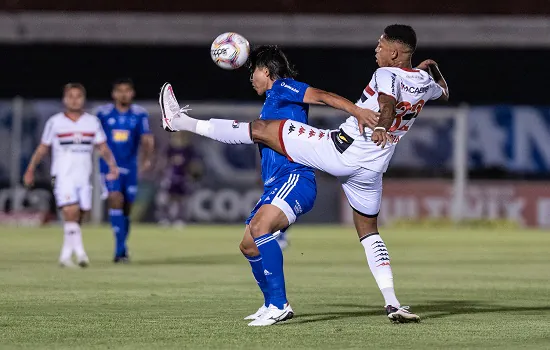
(125, 184)
(294, 194)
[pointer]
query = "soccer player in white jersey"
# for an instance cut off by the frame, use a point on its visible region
(356, 155)
(72, 136)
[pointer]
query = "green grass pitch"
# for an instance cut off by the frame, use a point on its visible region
(474, 288)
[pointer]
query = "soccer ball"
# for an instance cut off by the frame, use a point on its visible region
(230, 50)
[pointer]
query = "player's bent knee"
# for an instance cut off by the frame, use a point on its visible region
(71, 213)
(249, 249)
(116, 200)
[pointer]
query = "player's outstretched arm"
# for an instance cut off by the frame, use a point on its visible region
(365, 117)
(107, 155)
(39, 153)
(380, 135)
(432, 68)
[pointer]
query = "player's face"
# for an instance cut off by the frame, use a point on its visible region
(123, 94)
(384, 52)
(260, 80)
(74, 100)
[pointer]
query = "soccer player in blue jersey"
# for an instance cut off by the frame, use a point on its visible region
(127, 128)
(289, 188)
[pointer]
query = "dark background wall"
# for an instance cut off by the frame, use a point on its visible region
(40, 71)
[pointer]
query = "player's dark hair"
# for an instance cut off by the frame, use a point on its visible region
(70, 86)
(272, 58)
(123, 81)
(402, 33)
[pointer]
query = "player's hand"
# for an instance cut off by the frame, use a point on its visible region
(380, 137)
(113, 173)
(28, 178)
(426, 64)
(366, 117)
(145, 165)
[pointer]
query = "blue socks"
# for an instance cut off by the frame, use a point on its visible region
(126, 231)
(272, 260)
(258, 272)
(118, 223)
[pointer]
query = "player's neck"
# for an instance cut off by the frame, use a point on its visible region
(72, 115)
(270, 84)
(402, 64)
(122, 108)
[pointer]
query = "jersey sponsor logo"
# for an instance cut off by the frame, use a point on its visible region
(111, 121)
(120, 135)
(301, 131)
(291, 128)
(311, 133)
(414, 89)
(291, 88)
(321, 134)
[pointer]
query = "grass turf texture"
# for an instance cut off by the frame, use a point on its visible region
(474, 288)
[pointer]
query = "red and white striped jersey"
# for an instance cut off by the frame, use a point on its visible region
(72, 144)
(411, 88)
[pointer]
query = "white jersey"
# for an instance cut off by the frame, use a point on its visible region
(72, 144)
(411, 88)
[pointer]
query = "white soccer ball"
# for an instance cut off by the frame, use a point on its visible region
(230, 50)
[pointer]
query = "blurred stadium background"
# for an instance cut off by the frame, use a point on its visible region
(483, 158)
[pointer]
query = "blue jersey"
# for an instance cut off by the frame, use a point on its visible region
(123, 131)
(283, 101)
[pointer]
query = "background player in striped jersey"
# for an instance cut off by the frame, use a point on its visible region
(358, 157)
(289, 188)
(127, 128)
(72, 136)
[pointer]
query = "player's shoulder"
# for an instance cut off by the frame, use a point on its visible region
(138, 110)
(286, 85)
(105, 109)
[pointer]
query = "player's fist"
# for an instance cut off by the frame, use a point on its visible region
(426, 64)
(380, 137)
(366, 117)
(113, 173)
(28, 178)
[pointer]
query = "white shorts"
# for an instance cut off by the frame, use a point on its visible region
(67, 193)
(322, 150)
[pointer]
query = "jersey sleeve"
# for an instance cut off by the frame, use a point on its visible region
(47, 134)
(437, 91)
(291, 90)
(99, 133)
(385, 82)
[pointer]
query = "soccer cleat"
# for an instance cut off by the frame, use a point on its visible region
(83, 261)
(170, 107)
(67, 263)
(257, 314)
(121, 259)
(401, 314)
(273, 315)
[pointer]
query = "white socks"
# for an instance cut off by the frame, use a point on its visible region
(379, 263)
(72, 242)
(222, 130)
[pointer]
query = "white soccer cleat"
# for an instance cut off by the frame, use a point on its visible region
(257, 314)
(170, 107)
(273, 315)
(68, 263)
(401, 314)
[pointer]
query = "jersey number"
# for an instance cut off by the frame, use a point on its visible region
(406, 111)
